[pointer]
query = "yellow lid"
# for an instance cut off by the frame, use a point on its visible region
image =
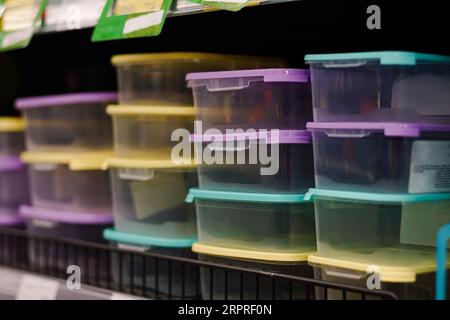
(75, 161)
(158, 58)
(176, 111)
(11, 124)
(250, 254)
(146, 164)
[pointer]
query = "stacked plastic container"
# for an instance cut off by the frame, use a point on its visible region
(149, 186)
(68, 140)
(381, 136)
(255, 166)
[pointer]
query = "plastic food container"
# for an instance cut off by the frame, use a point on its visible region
(71, 182)
(159, 78)
(148, 198)
(287, 166)
(145, 132)
(13, 183)
(362, 226)
(266, 223)
(382, 157)
(380, 86)
(407, 281)
(177, 280)
(69, 122)
(11, 136)
(264, 98)
(234, 285)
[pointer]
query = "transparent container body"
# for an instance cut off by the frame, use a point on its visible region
(14, 189)
(11, 143)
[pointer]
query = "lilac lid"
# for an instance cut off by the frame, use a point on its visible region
(268, 75)
(28, 212)
(10, 164)
(284, 137)
(66, 99)
(10, 220)
(390, 129)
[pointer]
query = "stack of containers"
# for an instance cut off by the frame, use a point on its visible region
(148, 187)
(68, 139)
(381, 136)
(247, 217)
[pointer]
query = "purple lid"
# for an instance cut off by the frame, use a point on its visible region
(66, 99)
(284, 137)
(10, 220)
(28, 212)
(390, 129)
(10, 164)
(268, 75)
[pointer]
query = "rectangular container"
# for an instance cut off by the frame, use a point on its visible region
(260, 222)
(69, 182)
(381, 157)
(407, 282)
(380, 86)
(145, 132)
(233, 162)
(70, 122)
(148, 198)
(13, 183)
(264, 98)
(159, 78)
(12, 139)
(172, 279)
(246, 286)
(361, 226)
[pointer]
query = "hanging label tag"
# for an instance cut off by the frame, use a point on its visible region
(230, 5)
(124, 7)
(142, 22)
(37, 288)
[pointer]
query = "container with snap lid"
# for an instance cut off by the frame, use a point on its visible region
(262, 98)
(380, 86)
(73, 182)
(159, 78)
(68, 122)
(11, 136)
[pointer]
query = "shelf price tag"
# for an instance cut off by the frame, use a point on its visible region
(229, 5)
(18, 22)
(37, 288)
(122, 19)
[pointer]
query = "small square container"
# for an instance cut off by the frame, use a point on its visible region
(159, 78)
(69, 122)
(381, 157)
(237, 162)
(69, 181)
(264, 98)
(145, 132)
(13, 183)
(410, 280)
(362, 224)
(148, 198)
(12, 139)
(254, 221)
(380, 86)
(234, 285)
(174, 280)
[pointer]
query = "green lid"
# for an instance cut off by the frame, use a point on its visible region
(376, 197)
(138, 240)
(385, 57)
(244, 196)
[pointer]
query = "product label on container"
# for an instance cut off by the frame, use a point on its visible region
(37, 288)
(430, 167)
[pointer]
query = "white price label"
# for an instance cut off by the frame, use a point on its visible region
(144, 21)
(37, 288)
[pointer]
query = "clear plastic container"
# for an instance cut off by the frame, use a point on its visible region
(245, 286)
(148, 198)
(127, 274)
(380, 86)
(11, 136)
(69, 182)
(265, 98)
(13, 183)
(70, 122)
(159, 78)
(266, 223)
(362, 226)
(381, 157)
(289, 169)
(409, 281)
(145, 132)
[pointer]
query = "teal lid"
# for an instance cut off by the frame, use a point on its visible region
(385, 57)
(376, 197)
(243, 196)
(138, 240)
